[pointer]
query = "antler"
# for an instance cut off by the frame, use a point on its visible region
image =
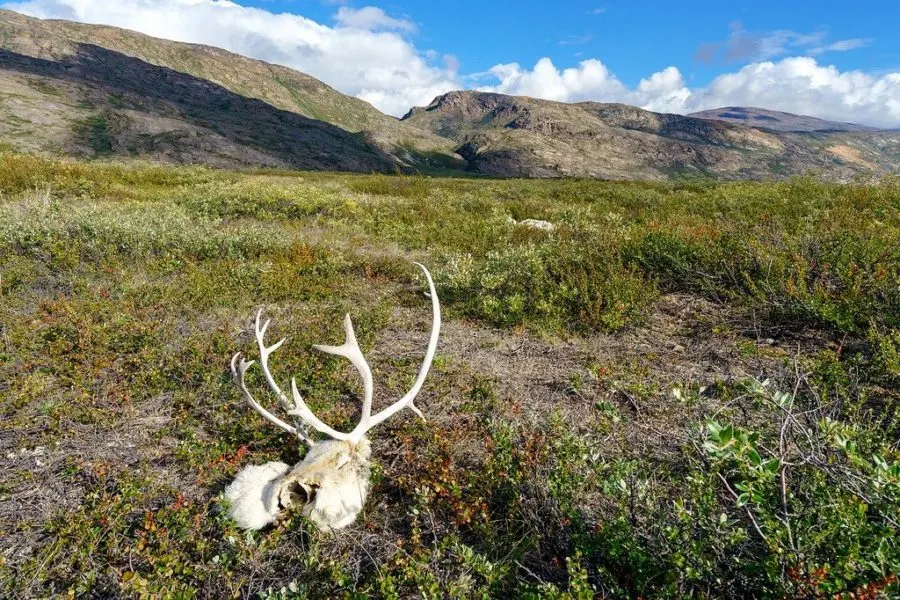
(351, 351)
(237, 371)
(407, 401)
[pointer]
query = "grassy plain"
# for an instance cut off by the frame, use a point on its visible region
(685, 389)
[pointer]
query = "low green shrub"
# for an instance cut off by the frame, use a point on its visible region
(562, 284)
(403, 186)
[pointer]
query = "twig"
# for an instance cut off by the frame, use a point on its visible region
(513, 352)
(637, 409)
(784, 507)
(746, 509)
(728, 404)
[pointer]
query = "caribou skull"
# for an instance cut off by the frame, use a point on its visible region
(332, 481)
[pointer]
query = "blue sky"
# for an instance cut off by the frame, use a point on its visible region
(831, 59)
(632, 38)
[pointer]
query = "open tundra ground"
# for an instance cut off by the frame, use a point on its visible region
(684, 390)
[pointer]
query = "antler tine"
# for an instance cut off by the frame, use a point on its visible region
(407, 400)
(264, 352)
(238, 369)
(350, 350)
(302, 410)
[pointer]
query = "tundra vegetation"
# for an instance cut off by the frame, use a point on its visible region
(684, 389)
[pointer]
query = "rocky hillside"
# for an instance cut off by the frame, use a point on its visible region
(519, 136)
(91, 91)
(776, 120)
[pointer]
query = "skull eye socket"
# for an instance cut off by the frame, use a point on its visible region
(301, 494)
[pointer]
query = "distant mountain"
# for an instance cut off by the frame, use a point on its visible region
(86, 90)
(776, 120)
(520, 136)
(91, 91)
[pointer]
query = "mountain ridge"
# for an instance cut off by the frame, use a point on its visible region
(81, 48)
(524, 136)
(94, 91)
(777, 120)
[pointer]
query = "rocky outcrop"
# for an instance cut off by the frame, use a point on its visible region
(519, 136)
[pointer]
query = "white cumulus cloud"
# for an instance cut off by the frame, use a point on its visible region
(589, 80)
(364, 55)
(371, 18)
(798, 84)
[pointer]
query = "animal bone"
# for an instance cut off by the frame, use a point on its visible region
(331, 483)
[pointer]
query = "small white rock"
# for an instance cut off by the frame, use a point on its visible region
(537, 224)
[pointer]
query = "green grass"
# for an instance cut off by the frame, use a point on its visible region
(95, 133)
(571, 450)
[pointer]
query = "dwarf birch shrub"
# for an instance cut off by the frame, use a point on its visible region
(839, 279)
(558, 284)
(137, 229)
(257, 200)
(819, 497)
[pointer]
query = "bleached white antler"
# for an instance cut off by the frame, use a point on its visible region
(331, 483)
(406, 401)
(351, 351)
(238, 369)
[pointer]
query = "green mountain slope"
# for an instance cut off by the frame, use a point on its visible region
(86, 90)
(512, 135)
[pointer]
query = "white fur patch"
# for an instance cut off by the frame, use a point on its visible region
(338, 502)
(254, 495)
